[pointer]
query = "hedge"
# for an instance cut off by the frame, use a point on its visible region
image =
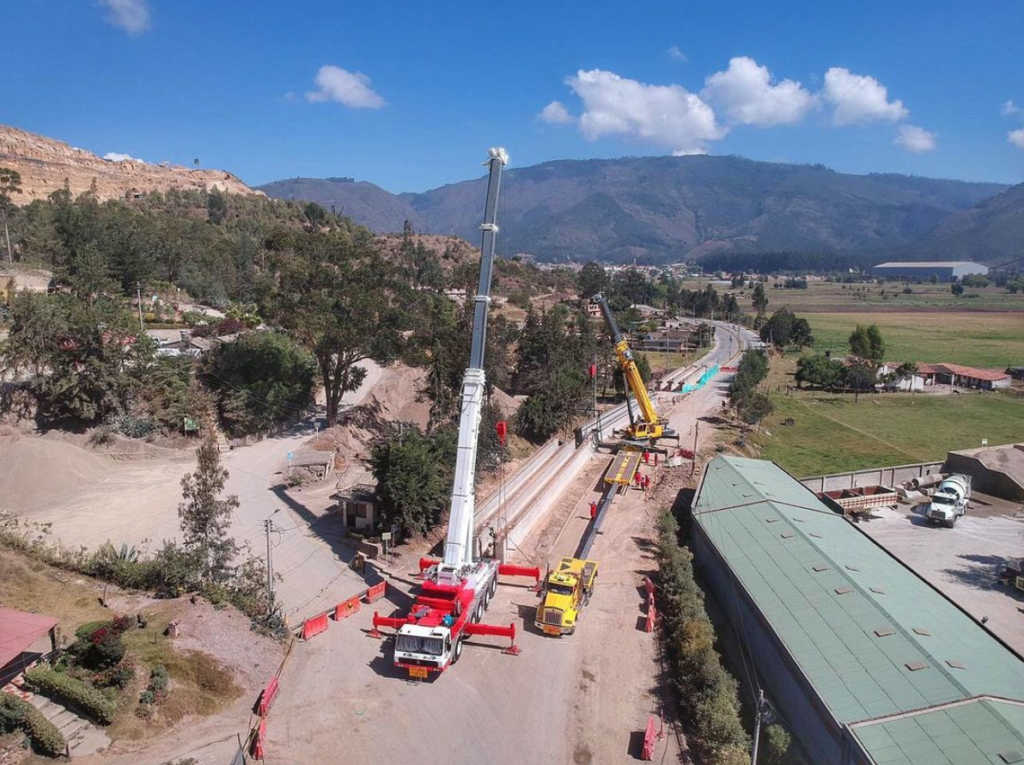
(74, 692)
(18, 714)
(708, 694)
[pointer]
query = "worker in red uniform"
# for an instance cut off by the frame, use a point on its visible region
(593, 511)
(637, 478)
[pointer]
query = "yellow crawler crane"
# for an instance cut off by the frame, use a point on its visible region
(649, 427)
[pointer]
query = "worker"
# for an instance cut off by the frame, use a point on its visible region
(637, 478)
(647, 458)
(593, 511)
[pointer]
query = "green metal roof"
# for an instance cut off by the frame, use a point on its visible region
(873, 639)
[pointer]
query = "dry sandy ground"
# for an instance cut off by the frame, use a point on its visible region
(962, 562)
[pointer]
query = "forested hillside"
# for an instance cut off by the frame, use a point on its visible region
(659, 209)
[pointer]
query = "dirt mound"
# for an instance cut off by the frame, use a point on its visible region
(397, 396)
(36, 470)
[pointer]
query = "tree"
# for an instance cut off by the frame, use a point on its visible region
(592, 279)
(262, 379)
(413, 473)
(205, 518)
(341, 301)
(867, 343)
(860, 377)
(956, 288)
(818, 370)
(760, 301)
(80, 357)
(10, 184)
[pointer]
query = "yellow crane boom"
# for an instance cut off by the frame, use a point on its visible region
(651, 427)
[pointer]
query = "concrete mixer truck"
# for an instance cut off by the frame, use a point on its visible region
(949, 501)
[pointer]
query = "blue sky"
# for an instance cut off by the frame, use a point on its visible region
(411, 94)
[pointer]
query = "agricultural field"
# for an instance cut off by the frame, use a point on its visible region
(833, 432)
(823, 296)
(988, 340)
(664, 362)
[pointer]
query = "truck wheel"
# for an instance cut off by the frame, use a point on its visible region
(478, 613)
(457, 653)
(494, 586)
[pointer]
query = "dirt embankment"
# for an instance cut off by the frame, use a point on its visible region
(45, 164)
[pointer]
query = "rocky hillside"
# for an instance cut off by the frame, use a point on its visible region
(45, 163)
(665, 208)
(992, 232)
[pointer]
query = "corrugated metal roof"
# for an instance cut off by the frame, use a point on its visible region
(776, 535)
(929, 264)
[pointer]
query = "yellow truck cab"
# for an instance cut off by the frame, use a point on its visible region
(566, 591)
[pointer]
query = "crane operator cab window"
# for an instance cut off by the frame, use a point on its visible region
(431, 646)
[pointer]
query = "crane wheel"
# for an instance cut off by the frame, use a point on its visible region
(478, 613)
(493, 588)
(457, 653)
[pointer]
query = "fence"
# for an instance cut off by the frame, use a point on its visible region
(883, 476)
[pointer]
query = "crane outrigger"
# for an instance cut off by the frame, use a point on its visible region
(456, 590)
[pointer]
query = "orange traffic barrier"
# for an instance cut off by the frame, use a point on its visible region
(652, 615)
(347, 608)
(314, 626)
(375, 593)
(259, 741)
(268, 695)
(650, 740)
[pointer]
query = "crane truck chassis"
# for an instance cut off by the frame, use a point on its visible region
(456, 590)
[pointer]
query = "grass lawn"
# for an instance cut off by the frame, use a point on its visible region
(833, 434)
(665, 362)
(973, 339)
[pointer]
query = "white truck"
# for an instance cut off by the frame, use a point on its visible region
(949, 501)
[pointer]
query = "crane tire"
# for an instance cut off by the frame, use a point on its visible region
(494, 586)
(457, 653)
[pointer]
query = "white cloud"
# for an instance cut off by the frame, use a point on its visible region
(859, 98)
(662, 115)
(677, 54)
(556, 114)
(116, 156)
(1016, 137)
(130, 15)
(915, 139)
(746, 93)
(349, 88)
(1010, 108)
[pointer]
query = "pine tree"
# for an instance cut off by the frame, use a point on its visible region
(205, 518)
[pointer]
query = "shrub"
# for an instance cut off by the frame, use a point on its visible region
(75, 692)
(147, 697)
(707, 693)
(158, 679)
(18, 714)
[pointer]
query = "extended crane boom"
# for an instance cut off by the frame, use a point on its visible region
(652, 427)
(458, 549)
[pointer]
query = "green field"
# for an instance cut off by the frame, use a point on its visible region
(831, 433)
(974, 339)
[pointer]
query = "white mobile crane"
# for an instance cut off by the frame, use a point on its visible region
(457, 590)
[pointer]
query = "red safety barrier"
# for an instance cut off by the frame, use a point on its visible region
(507, 569)
(650, 740)
(650, 601)
(347, 608)
(268, 696)
(375, 593)
(259, 741)
(314, 626)
(652, 615)
(648, 585)
(729, 369)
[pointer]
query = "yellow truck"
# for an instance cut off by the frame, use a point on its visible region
(566, 591)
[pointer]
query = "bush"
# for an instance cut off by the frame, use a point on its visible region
(18, 714)
(707, 693)
(158, 679)
(74, 692)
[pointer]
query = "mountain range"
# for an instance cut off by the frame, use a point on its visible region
(658, 209)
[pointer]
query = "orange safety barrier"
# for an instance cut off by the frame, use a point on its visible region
(375, 593)
(652, 615)
(729, 369)
(347, 608)
(268, 695)
(650, 740)
(648, 585)
(314, 626)
(259, 741)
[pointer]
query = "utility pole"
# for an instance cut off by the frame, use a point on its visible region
(764, 713)
(138, 295)
(268, 526)
(696, 430)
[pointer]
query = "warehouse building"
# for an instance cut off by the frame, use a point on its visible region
(866, 661)
(944, 270)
